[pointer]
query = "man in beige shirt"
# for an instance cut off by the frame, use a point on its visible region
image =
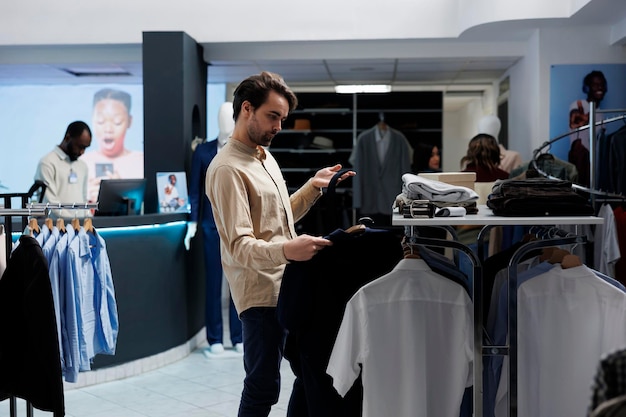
(255, 217)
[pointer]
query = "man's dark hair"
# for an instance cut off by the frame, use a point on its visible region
(256, 88)
(589, 78)
(75, 129)
(112, 94)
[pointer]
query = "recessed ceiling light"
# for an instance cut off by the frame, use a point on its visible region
(96, 71)
(362, 88)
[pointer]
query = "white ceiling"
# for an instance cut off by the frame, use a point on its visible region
(461, 67)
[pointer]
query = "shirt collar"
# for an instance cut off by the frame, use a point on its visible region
(258, 152)
(61, 154)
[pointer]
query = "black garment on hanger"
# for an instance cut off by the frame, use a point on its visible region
(311, 303)
(617, 156)
(30, 363)
(579, 156)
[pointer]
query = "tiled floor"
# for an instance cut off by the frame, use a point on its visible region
(197, 385)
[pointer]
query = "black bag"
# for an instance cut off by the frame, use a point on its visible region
(537, 197)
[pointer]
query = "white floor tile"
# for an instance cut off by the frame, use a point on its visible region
(195, 386)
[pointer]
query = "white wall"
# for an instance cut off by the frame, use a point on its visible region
(458, 128)
(524, 97)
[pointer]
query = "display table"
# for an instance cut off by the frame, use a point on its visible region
(486, 217)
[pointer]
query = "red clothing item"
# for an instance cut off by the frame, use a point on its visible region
(620, 224)
(485, 175)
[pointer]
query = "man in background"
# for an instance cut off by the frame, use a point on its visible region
(64, 174)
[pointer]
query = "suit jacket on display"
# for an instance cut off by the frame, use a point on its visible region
(377, 185)
(200, 204)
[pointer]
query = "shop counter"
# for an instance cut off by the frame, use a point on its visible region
(158, 287)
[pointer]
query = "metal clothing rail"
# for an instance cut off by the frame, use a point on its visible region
(78, 206)
(591, 126)
(512, 324)
(9, 213)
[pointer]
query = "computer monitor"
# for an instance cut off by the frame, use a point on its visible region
(121, 197)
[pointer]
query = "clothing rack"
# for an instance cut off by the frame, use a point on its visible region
(511, 349)
(414, 239)
(30, 210)
(548, 226)
(10, 213)
(592, 190)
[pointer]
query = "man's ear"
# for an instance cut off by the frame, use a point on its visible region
(246, 106)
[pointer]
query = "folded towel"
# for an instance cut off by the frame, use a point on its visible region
(416, 188)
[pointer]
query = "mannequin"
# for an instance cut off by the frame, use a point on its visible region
(201, 213)
(490, 125)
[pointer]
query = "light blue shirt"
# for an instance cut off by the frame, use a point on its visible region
(492, 365)
(105, 304)
(50, 244)
(90, 273)
(43, 234)
(65, 309)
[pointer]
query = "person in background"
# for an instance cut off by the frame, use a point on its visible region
(110, 120)
(255, 217)
(427, 158)
(64, 174)
(509, 160)
(595, 87)
(483, 158)
(201, 213)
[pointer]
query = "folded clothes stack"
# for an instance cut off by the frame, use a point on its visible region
(423, 197)
(537, 197)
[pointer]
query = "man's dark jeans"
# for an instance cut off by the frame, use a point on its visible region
(264, 341)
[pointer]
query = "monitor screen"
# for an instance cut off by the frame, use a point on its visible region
(120, 197)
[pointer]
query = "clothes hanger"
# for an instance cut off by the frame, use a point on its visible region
(382, 125)
(49, 223)
(34, 226)
(546, 253)
(409, 250)
(88, 225)
(61, 225)
(76, 224)
(357, 228)
(570, 261)
(558, 255)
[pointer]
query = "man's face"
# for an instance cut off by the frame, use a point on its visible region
(597, 89)
(266, 121)
(110, 122)
(76, 145)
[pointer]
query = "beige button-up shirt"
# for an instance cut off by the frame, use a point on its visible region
(255, 216)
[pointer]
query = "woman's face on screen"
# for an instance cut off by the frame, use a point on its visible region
(110, 122)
